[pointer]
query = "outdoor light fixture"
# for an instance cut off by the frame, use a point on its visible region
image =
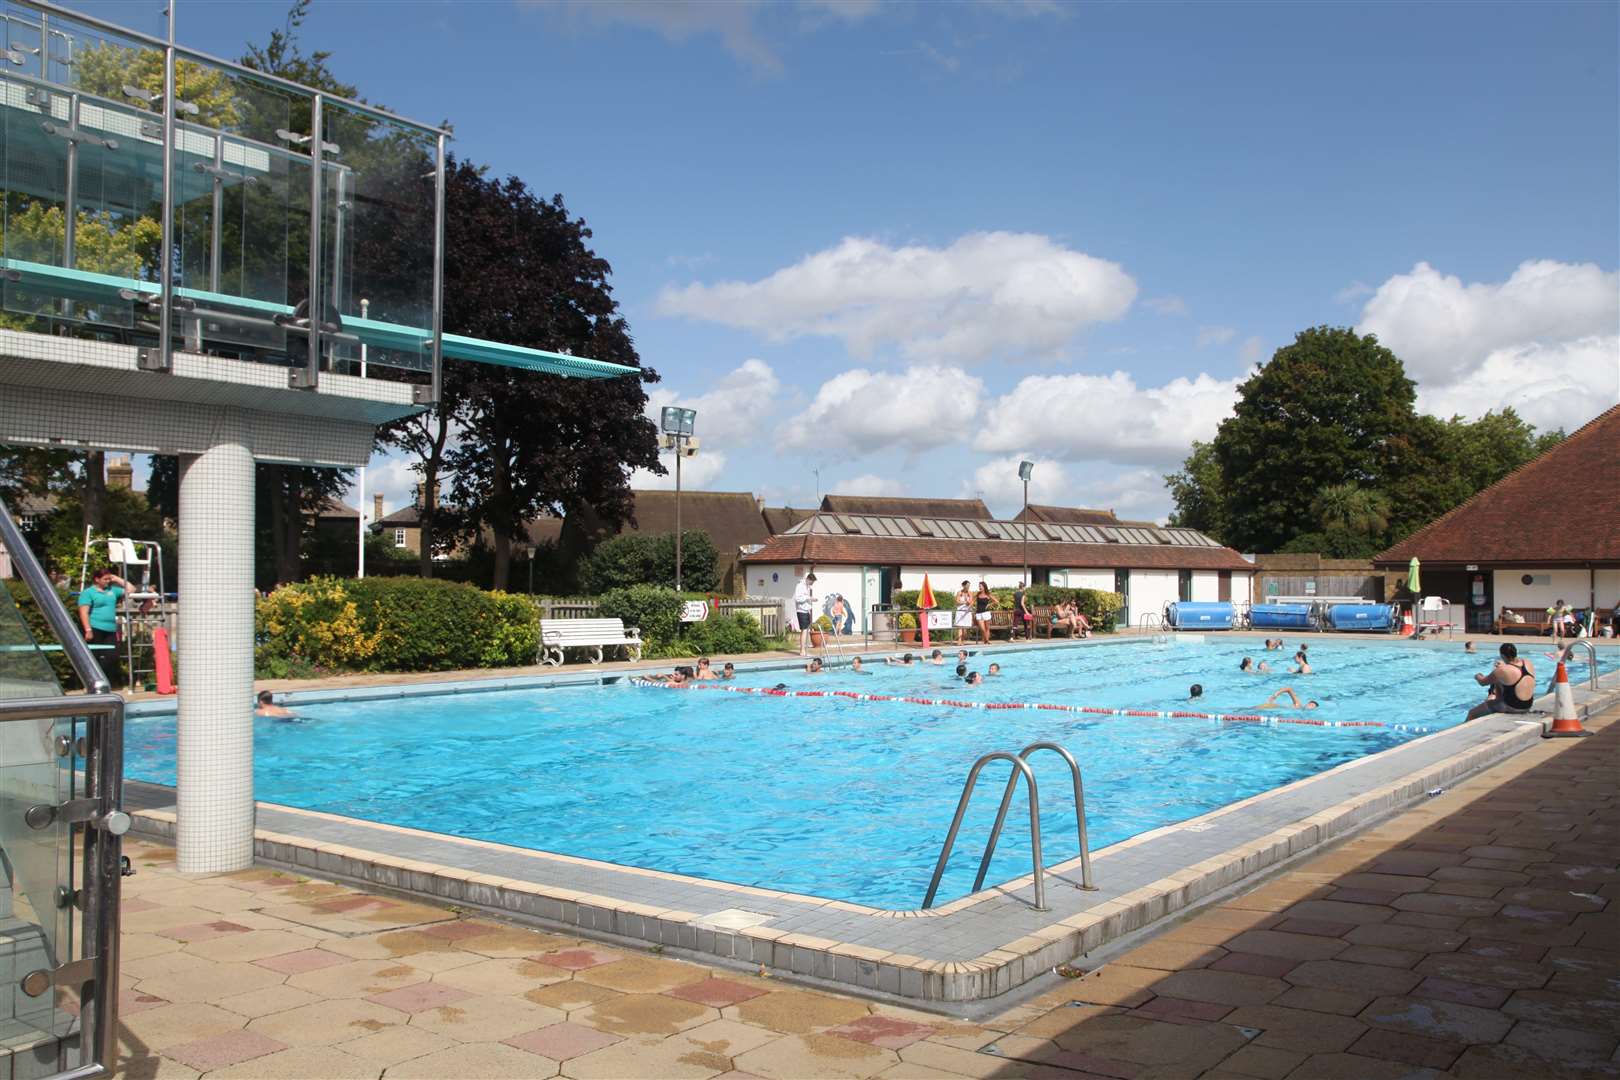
(1026, 469)
(677, 425)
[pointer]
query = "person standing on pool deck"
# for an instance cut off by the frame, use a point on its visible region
(981, 611)
(1023, 617)
(804, 609)
(964, 611)
(1512, 682)
(98, 614)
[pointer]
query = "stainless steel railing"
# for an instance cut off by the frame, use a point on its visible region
(1079, 814)
(1591, 658)
(89, 964)
(1019, 766)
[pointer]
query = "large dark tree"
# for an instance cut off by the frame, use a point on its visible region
(518, 269)
(1325, 452)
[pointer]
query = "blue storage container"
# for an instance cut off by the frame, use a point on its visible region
(1199, 615)
(1361, 616)
(1280, 617)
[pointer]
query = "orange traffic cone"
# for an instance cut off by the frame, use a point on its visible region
(1408, 628)
(1565, 725)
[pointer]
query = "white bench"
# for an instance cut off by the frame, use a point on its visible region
(594, 634)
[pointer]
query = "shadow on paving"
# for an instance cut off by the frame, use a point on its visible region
(1476, 936)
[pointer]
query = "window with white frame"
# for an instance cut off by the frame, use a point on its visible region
(399, 537)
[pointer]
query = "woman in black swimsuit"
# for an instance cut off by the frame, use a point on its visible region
(1513, 686)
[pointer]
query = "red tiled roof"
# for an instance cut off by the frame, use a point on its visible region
(1068, 515)
(919, 551)
(894, 506)
(1561, 508)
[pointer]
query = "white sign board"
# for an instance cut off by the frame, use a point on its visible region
(694, 611)
(939, 620)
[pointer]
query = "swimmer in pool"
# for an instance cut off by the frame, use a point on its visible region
(729, 671)
(267, 709)
(1249, 666)
(704, 671)
(1304, 667)
(973, 678)
(1272, 646)
(858, 668)
(961, 671)
(961, 656)
(1194, 692)
(937, 658)
(1468, 646)
(813, 667)
(995, 669)
(1271, 702)
(904, 661)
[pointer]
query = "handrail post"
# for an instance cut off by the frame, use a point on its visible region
(1591, 658)
(1079, 815)
(1019, 766)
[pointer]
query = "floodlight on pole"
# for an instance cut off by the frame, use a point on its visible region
(678, 425)
(1026, 469)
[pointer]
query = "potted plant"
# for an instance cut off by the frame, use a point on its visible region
(819, 631)
(908, 627)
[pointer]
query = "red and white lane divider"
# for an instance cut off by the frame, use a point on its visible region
(1093, 710)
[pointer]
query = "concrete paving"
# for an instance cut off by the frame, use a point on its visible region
(1474, 936)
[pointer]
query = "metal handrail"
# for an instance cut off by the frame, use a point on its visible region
(1079, 815)
(1149, 621)
(97, 962)
(1591, 658)
(1020, 766)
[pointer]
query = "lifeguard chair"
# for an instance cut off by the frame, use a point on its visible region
(146, 608)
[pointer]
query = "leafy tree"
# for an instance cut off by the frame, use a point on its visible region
(1325, 410)
(519, 269)
(1353, 509)
(1199, 494)
(639, 558)
(105, 69)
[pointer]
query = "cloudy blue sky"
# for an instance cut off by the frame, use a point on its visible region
(906, 244)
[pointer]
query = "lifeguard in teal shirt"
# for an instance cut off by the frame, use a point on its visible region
(98, 614)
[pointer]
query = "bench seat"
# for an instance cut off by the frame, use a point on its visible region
(557, 635)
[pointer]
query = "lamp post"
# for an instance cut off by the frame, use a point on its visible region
(1026, 469)
(677, 425)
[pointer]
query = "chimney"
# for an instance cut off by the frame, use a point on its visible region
(759, 503)
(120, 474)
(376, 508)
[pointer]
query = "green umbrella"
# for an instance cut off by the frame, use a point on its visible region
(1413, 582)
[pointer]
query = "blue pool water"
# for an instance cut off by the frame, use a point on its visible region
(836, 798)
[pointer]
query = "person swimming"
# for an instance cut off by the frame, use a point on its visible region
(973, 678)
(814, 666)
(1271, 702)
(265, 708)
(704, 671)
(1273, 645)
(937, 658)
(904, 661)
(961, 671)
(1304, 663)
(1194, 692)
(995, 669)
(729, 671)
(858, 668)
(1249, 666)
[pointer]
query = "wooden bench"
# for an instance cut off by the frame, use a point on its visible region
(557, 635)
(1535, 621)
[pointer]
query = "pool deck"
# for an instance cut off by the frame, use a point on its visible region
(1474, 935)
(964, 955)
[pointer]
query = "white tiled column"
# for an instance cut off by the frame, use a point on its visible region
(214, 774)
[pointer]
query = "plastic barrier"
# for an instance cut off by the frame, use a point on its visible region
(1199, 615)
(1090, 710)
(1280, 617)
(1361, 617)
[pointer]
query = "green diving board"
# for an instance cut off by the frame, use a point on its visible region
(87, 285)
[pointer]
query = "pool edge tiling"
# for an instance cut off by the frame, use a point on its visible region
(971, 950)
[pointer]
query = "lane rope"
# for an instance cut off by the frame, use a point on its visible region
(1094, 710)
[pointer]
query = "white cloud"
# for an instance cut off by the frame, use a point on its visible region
(996, 481)
(1544, 341)
(391, 476)
(1253, 350)
(703, 471)
(859, 411)
(1215, 335)
(1353, 292)
(984, 295)
(1073, 417)
(868, 484)
(1551, 386)
(1133, 494)
(731, 409)
(1166, 305)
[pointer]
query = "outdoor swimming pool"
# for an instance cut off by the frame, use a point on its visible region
(835, 797)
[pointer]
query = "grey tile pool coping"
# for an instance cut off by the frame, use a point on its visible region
(970, 950)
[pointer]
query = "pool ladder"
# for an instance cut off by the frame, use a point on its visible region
(1020, 764)
(1591, 657)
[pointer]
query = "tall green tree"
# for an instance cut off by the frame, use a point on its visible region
(519, 269)
(1325, 410)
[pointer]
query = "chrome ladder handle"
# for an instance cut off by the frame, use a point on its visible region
(1079, 815)
(1591, 657)
(1019, 766)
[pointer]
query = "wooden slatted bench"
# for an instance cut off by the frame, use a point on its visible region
(556, 635)
(1535, 621)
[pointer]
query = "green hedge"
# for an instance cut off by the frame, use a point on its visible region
(1100, 608)
(392, 624)
(657, 611)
